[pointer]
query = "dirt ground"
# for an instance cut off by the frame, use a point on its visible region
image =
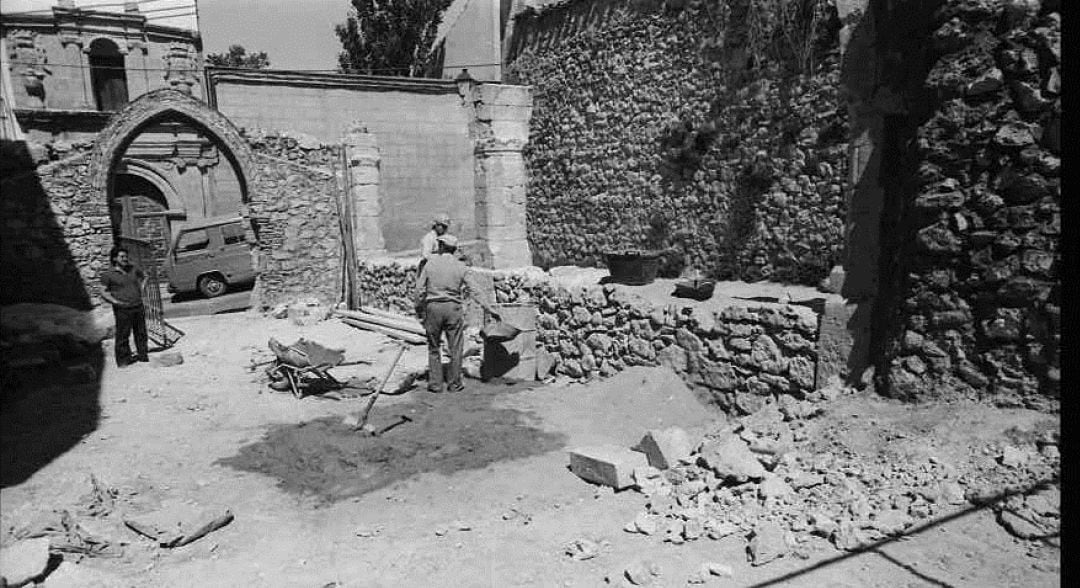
(475, 489)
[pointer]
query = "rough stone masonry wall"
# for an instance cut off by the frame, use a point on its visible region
(294, 207)
(742, 354)
(639, 141)
(981, 265)
(56, 232)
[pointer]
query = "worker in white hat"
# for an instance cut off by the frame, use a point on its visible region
(439, 296)
(428, 245)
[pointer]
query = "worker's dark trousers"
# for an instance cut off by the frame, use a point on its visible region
(439, 318)
(130, 321)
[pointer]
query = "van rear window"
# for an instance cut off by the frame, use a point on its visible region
(193, 241)
(232, 234)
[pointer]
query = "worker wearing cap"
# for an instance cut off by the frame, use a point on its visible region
(439, 296)
(428, 244)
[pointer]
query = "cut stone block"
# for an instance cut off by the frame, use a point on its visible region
(664, 448)
(609, 465)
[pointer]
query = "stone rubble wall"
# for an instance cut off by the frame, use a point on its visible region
(295, 213)
(981, 261)
(741, 354)
(56, 234)
(623, 107)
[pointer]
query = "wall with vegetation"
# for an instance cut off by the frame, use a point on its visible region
(713, 129)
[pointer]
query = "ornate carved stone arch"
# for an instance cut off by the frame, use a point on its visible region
(126, 124)
(151, 174)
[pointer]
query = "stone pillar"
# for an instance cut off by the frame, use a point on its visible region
(844, 338)
(500, 131)
(365, 205)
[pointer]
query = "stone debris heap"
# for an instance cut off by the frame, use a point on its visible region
(790, 488)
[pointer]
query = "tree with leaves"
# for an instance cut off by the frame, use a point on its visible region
(237, 56)
(390, 37)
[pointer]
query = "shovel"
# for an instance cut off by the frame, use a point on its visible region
(359, 422)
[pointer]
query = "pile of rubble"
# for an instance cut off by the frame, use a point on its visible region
(790, 487)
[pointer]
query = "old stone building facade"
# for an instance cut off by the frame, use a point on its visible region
(71, 69)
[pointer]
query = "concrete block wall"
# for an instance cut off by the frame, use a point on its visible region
(426, 153)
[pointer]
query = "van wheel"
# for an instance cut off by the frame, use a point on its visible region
(211, 286)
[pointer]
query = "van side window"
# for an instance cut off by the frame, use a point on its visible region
(193, 241)
(232, 234)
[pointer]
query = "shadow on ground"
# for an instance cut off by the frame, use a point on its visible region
(42, 421)
(326, 459)
(49, 382)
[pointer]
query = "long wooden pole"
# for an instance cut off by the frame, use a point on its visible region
(389, 332)
(400, 325)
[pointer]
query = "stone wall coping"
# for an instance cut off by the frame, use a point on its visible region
(270, 77)
(659, 293)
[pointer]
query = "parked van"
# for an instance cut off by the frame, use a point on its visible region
(209, 255)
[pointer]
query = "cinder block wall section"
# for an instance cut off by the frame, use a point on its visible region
(422, 126)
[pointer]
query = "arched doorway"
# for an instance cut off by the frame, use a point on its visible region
(168, 157)
(138, 209)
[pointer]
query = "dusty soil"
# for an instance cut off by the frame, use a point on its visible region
(475, 491)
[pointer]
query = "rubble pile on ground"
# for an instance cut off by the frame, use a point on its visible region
(791, 486)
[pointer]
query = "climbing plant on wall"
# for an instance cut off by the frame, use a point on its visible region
(701, 126)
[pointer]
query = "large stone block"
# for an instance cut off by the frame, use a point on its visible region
(504, 94)
(665, 448)
(608, 465)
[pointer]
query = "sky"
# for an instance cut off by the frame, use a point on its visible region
(295, 34)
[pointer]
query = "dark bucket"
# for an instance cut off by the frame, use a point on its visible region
(633, 268)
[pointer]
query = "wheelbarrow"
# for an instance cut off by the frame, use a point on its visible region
(304, 366)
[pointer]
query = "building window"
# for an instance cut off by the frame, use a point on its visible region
(107, 75)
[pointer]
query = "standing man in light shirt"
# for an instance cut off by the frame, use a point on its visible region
(429, 245)
(439, 296)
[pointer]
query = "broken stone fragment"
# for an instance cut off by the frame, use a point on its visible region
(25, 561)
(642, 573)
(731, 460)
(167, 359)
(719, 529)
(645, 524)
(674, 533)
(849, 537)
(608, 465)
(767, 544)
(774, 487)
(582, 549)
(665, 448)
(1013, 457)
(892, 521)
(693, 529)
(716, 569)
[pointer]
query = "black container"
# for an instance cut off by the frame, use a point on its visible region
(634, 268)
